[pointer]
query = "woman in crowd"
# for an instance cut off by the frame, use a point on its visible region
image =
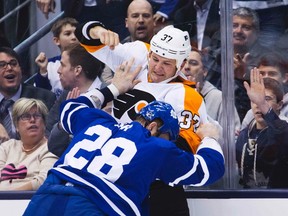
(24, 163)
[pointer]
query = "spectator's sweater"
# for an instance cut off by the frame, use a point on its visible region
(37, 162)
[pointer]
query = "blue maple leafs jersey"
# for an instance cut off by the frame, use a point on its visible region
(114, 164)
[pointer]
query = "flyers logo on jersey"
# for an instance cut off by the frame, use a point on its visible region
(128, 105)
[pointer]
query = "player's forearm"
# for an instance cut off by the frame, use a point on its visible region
(82, 33)
(211, 152)
(101, 97)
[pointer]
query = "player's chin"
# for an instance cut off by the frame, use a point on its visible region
(157, 78)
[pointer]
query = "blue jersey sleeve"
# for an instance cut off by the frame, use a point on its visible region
(77, 114)
(184, 168)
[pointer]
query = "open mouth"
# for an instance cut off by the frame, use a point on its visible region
(258, 113)
(10, 76)
(32, 127)
(141, 29)
(239, 37)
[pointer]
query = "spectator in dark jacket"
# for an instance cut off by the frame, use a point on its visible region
(262, 148)
(11, 89)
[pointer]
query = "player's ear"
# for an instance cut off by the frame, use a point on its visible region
(149, 55)
(153, 128)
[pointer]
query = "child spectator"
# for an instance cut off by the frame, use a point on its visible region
(63, 35)
(261, 148)
(274, 65)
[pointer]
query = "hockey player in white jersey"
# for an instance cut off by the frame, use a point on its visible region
(161, 62)
(108, 167)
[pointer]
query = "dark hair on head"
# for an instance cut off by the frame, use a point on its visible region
(9, 51)
(91, 66)
(275, 87)
(273, 59)
(57, 26)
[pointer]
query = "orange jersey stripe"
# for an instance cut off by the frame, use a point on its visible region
(92, 49)
(192, 103)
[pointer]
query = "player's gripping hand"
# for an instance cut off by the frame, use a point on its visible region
(208, 130)
(106, 37)
(125, 76)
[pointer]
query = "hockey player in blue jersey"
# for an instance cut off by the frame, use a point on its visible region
(108, 167)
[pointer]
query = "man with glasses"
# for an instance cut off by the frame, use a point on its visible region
(11, 89)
